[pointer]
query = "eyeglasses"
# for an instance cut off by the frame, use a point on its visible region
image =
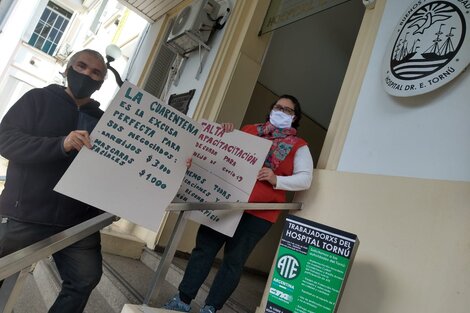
(289, 111)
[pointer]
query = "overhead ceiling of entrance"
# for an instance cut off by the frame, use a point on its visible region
(151, 10)
(307, 58)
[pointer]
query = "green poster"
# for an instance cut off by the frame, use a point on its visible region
(312, 265)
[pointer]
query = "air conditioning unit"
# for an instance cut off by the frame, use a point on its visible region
(193, 25)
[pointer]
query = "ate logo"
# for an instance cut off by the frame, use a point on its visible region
(429, 47)
(288, 267)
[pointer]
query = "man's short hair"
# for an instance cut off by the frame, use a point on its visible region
(95, 53)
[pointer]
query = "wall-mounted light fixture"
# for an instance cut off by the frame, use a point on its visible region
(112, 53)
(369, 4)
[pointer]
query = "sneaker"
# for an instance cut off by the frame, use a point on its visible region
(175, 304)
(207, 309)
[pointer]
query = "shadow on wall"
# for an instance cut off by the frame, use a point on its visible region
(364, 290)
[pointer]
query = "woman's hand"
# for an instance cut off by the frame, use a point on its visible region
(228, 127)
(267, 174)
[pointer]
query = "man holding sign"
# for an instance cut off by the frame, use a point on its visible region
(288, 167)
(40, 136)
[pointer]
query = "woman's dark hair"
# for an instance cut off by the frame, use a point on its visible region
(297, 109)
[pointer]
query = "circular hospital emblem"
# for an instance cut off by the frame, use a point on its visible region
(428, 48)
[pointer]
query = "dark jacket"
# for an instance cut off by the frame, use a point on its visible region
(31, 138)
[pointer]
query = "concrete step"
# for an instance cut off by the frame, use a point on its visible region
(135, 308)
(245, 299)
(30, 300)
(45, 286)
(124, 285)
(124, 281)
(116, 242)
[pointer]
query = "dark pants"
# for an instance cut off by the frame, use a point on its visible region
(79, 265)
(237, 249)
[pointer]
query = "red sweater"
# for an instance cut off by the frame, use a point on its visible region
(263, 191)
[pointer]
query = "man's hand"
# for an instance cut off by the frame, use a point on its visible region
(189, 161)
(76, 140)
(267, 174)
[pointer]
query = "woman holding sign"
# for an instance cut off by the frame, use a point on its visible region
(288, 167)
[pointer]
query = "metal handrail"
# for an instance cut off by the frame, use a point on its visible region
(14, 265)
(29, 255)
(191, 206)
(170, 249)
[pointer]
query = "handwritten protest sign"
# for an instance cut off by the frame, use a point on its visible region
(224, 168)
(138, 159)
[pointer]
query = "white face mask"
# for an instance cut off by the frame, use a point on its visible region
(280, 119)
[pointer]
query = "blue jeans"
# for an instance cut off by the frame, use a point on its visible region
(237, 250)
(79, 265)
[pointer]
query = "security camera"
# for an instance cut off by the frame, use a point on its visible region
(369, 4)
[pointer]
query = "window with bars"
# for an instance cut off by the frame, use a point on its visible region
(50, 28)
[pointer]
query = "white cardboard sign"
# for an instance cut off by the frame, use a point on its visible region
(224, 169)
(138, 159)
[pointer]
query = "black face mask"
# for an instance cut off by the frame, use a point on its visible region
(81, 85)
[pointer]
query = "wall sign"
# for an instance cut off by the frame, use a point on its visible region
(429, 47)
(312, 264)
(138, 158)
